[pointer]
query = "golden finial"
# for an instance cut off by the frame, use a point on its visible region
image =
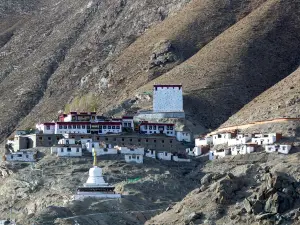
(95, 157)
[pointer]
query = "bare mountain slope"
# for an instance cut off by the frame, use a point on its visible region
(281, 100)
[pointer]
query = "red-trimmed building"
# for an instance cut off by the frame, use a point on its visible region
(103, 127)
(157, 128)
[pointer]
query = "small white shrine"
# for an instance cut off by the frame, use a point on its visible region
(95, 186)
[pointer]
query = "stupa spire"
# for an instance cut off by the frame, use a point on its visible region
(95, 157)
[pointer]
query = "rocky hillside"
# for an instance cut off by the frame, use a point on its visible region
(250, 189)
(43, 194)
(85, 55)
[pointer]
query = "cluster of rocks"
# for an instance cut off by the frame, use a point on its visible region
(162, 54)
(225, 185)
(276, 195)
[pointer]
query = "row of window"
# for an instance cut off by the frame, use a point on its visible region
(69, 150)
(153, 127)
(85, 127)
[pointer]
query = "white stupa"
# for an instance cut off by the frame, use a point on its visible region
(95, 178)
(95, 185)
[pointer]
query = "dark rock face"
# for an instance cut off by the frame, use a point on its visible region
(277, 194)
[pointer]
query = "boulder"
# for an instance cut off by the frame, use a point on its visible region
(264, 216)
(206, 179)
(247, 205)
(193, 217)
(278, 203)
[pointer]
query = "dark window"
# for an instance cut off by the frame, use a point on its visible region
(88, 131)
(98, 138)
(115, 139)
(83, 126)
(88, 127)
(138, 157)
(150, 127)
(146, 140)
(77, 150)
(27, 156)
(68, 149)
(109, 127)
(100, 131)
(70, 127)
(78, 126)
(57, 138)
(106, 139)
(171, 141)
(146, 127)
(154, 141)
(60, 126)
(130, 140)
(49, 138)
(100, 127)
(74, 126)
(48, 127)
(154, 127)
(122, 139)
(62, 150)
(93, 145)
(41, 138)
(104, 127)
(65, 127)
(113, 127)
(139, 140)
(171, 128)
(117, 127)
(162, 141)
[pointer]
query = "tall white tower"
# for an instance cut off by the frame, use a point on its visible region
(167, 98)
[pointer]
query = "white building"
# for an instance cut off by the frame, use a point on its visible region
(67, 151)
(46, 128)
(80, 127)
(22, 156)
(240, 139)
(157, 128)
(220, 153)
(196, 151)
(264, 139)
(127, 121)
(222, 138)
(66, 141)
(150, 153)
(97, 145)
(183, 136)
(241, 149)
(167, 98)
(284, 149)
(270, 148)
(134, 158)
(165, 156)
(130, 151)
(208, 140)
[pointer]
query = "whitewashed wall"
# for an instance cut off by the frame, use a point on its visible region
(167, 99)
